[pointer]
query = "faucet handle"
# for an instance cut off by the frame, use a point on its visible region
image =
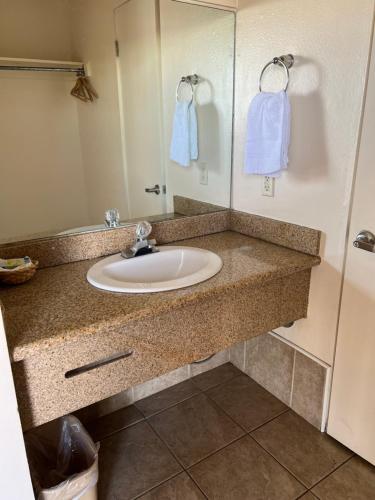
(143, 230)
(112, 217)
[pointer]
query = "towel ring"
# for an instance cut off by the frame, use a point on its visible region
(280, 62)
(183, 80)
(189, 80)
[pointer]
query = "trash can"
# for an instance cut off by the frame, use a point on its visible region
(63, 461)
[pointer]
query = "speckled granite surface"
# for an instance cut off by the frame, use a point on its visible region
(58, 305)
(189, 206)
(76, 247)
(90, 245)
(301, 238)
(160, 343)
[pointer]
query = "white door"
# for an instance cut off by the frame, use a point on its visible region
(138, 37)
(15, 482)
(352, 411)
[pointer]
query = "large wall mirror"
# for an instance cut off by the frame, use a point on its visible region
(148, 131)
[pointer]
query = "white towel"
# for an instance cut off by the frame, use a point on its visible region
(268, 134)
(184, 145)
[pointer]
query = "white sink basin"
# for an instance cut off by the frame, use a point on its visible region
(171, 268)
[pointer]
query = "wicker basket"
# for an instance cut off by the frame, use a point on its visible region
(19, 276)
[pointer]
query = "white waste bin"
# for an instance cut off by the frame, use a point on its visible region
(63, 461)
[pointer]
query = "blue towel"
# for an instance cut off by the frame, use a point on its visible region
(184, 145)
(268, 134)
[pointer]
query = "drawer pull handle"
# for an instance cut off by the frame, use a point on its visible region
(97, 364)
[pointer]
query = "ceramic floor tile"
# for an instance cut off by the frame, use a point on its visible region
(169, 397)
(132, 462)
(195, 428)
(113, 422)
(180, 487)
(247, 402)
(302, 449)
(308, 496)
(216, 376)
(355, 480)
(243, 470)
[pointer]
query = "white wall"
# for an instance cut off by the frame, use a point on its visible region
(331, 43)
(199, 40)
(42, 186)
(35, 29)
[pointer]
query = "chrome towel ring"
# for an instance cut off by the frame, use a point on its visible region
(188, 80)
(285, 61)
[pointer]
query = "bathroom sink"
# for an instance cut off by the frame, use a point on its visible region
(171, 268)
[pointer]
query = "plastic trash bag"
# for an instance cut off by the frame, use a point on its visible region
(63, 460)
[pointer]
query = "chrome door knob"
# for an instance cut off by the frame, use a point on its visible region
(155, 189)
(365, 240)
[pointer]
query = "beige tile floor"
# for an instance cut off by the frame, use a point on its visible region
(222, 436)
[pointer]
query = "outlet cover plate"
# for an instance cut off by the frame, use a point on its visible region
(268, 186)
(203, 173)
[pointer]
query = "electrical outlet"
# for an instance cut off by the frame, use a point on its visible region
(268, 188)
(203, 173)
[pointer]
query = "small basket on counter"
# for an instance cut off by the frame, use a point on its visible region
(19, 274)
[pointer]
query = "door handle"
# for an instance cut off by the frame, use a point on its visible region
(365, 240)
(155, 189)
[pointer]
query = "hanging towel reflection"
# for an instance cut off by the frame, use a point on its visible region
(268, 134)
(184, 144)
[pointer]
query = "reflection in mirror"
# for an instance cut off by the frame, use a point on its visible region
(70, 162)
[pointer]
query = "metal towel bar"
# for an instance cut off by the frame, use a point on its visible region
(286, 62)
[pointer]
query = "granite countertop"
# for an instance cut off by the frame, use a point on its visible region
(59, 305)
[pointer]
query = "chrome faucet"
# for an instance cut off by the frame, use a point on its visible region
(142, 244)
(112, 218)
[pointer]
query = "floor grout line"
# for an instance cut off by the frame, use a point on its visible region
(168, 447)
(305, 493)
(282, 465)
(216, 451)
(157, 485)
(223, 383)
(111, 434)
(169, 407)
(227, 414)
(332, 472)
(268, 421)
(196, 484)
